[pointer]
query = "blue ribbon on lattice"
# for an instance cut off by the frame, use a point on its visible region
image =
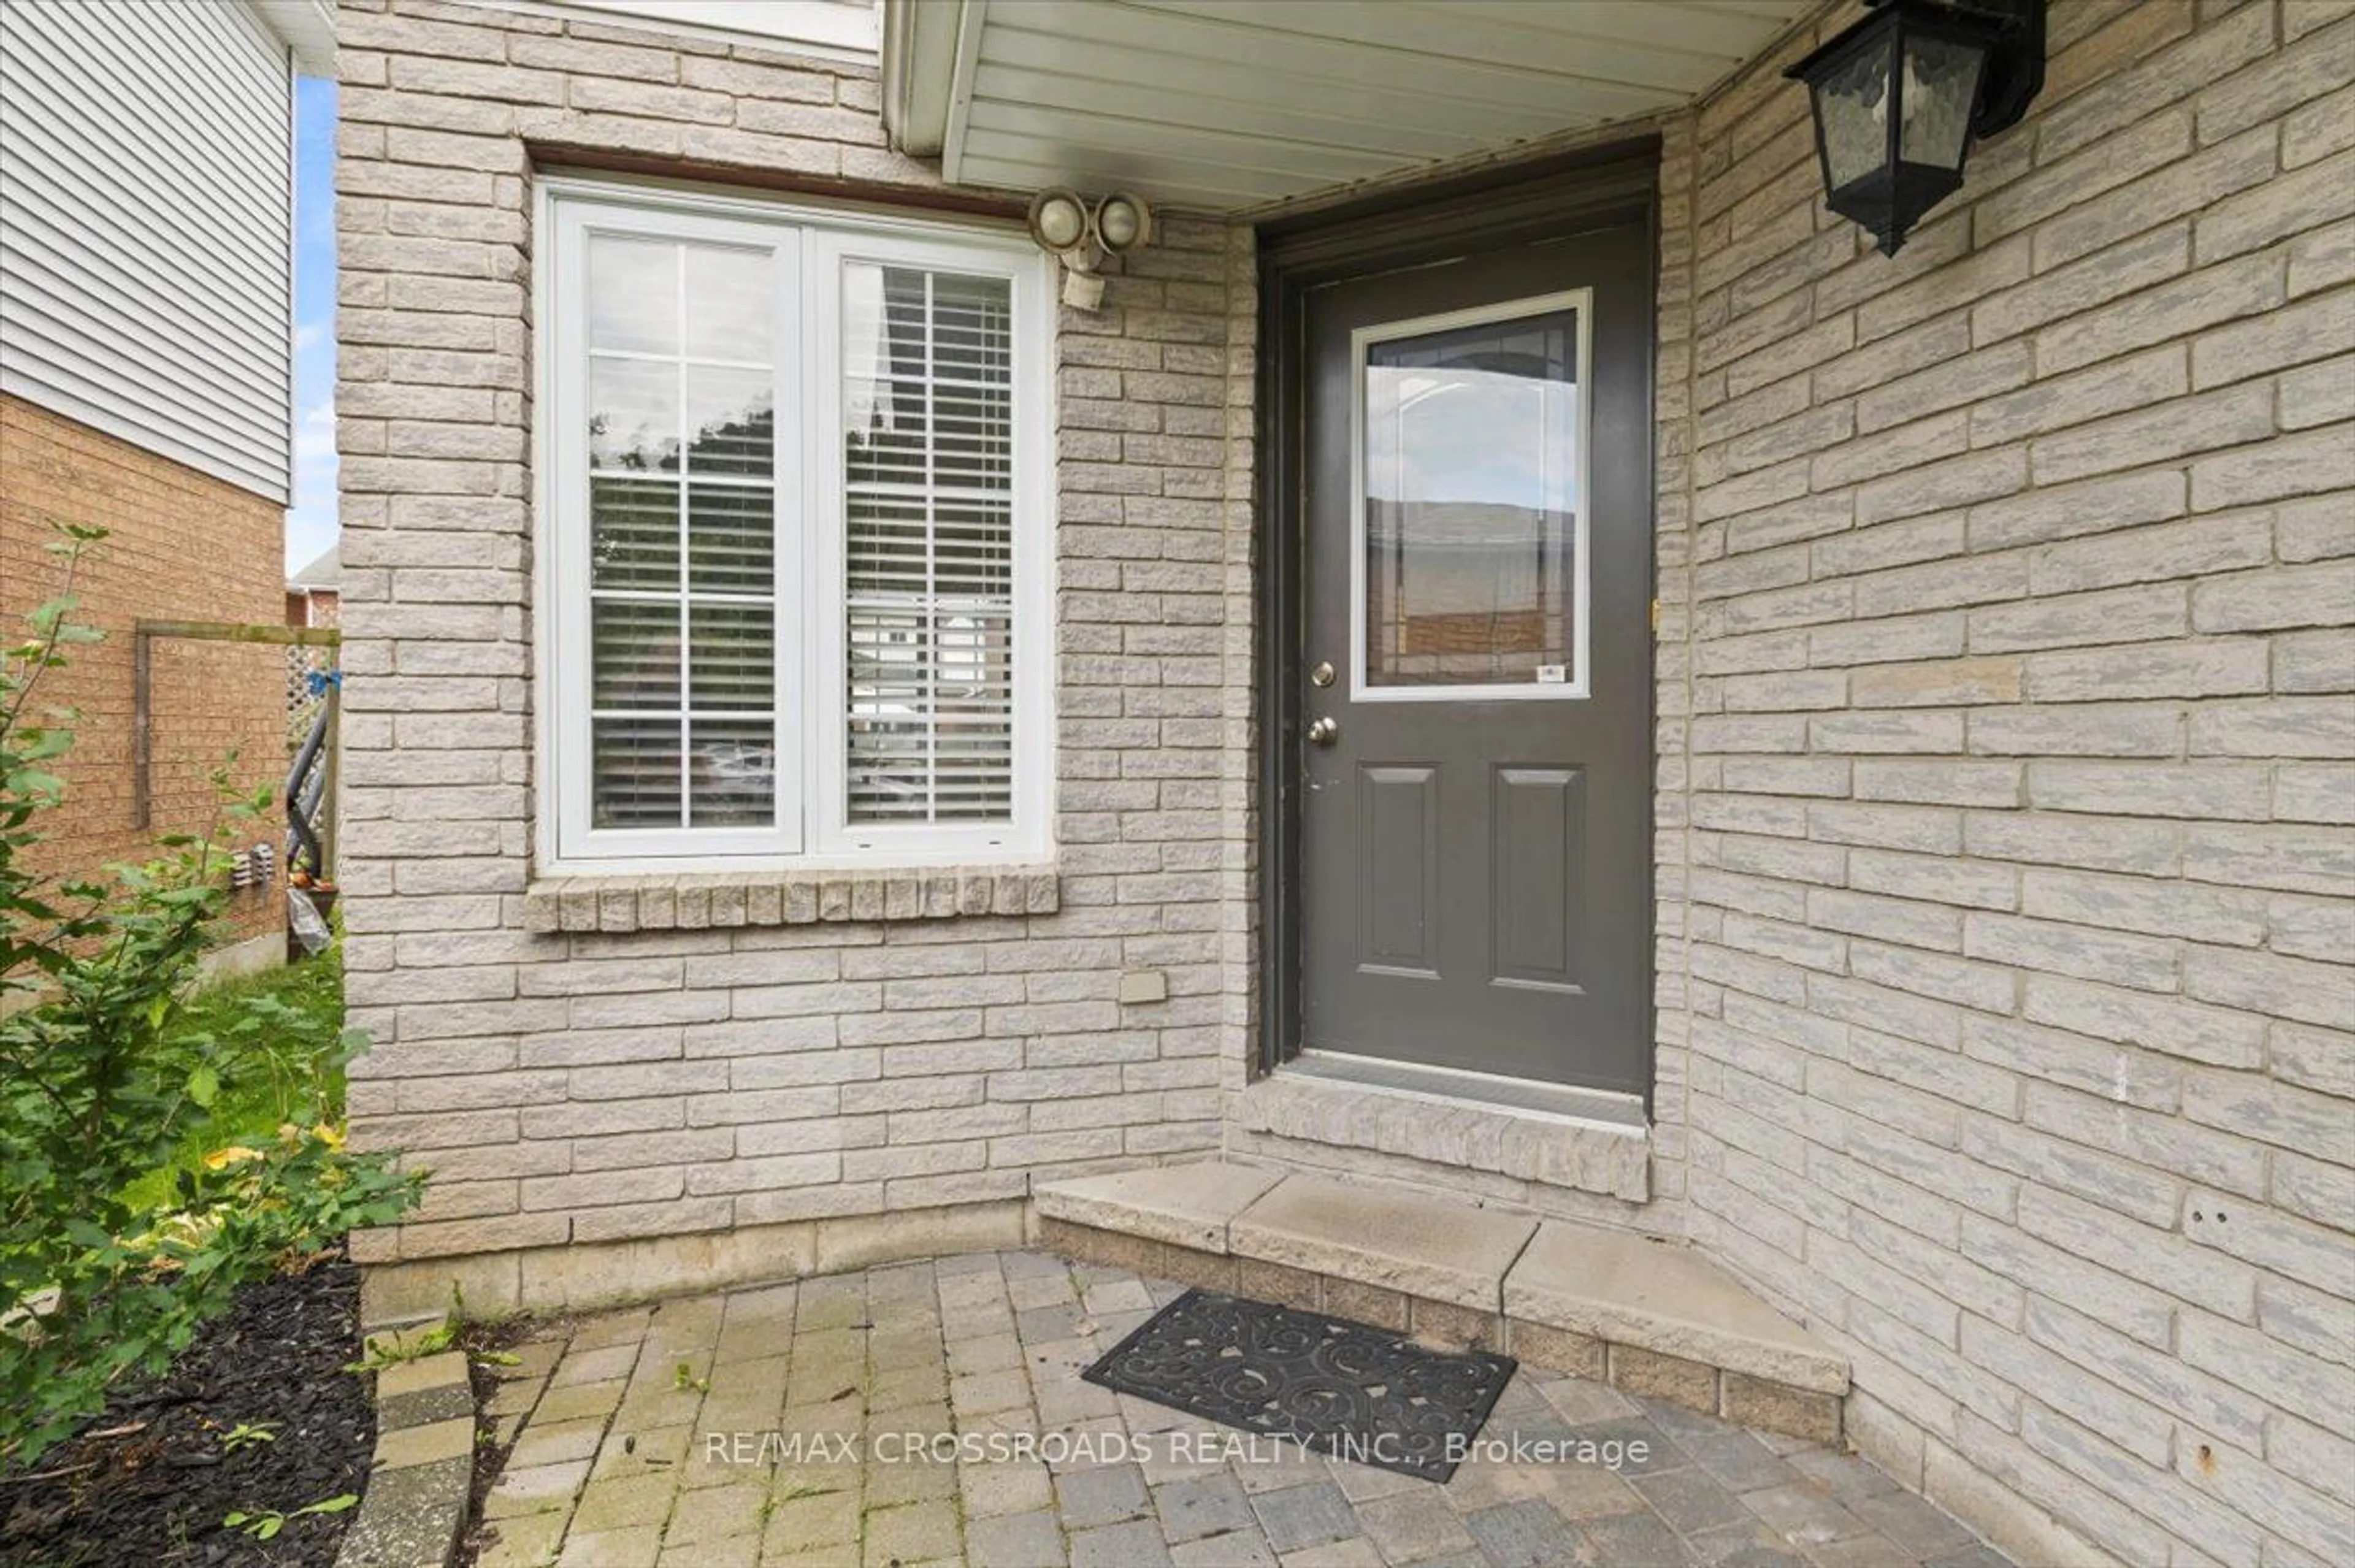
(320, 679)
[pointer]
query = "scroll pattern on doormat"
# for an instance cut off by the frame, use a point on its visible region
(1344, 1389)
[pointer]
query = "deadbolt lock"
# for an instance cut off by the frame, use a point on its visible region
(1323, 732)
(1323, 673)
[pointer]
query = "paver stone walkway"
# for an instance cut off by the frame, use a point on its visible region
(932, 1413)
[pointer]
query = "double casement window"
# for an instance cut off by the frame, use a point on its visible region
(796, 526)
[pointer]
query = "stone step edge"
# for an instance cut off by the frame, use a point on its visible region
(1196, 1206)
(421, 1475)
(1670, 1299)
(1735, 1396)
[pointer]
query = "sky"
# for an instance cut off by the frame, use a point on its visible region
(311, 521)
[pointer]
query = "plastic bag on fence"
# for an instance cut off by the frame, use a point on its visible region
(310, 927)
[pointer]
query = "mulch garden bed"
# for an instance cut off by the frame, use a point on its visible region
(150, 1480)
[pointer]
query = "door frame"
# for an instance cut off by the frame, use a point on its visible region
(1415, 225)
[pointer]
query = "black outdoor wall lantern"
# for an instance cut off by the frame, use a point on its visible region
(1899, 97)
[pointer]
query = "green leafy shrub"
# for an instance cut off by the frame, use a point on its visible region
(107, 1074)
(299, 1076)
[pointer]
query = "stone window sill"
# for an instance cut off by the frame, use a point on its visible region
(699, 901)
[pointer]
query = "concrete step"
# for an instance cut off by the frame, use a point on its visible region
(1633, 1290)
(1185, 1205)
(1381, 1236)
(1649, 1315)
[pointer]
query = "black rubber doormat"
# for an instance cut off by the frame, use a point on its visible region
(1344, 1389)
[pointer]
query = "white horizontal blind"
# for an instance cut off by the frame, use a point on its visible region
(683, 613)
(928, 508)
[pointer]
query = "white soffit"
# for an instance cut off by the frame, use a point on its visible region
(306, 26)
(1233, 104)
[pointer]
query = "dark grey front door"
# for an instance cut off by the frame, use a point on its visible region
(1474, 667)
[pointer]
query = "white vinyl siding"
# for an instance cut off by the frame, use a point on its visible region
(795, 495)
(145, 240)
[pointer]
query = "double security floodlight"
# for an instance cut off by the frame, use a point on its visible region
(1062, 224)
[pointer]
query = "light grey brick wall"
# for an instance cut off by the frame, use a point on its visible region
(2008, 764)
(599, 1085)
(2006, 757)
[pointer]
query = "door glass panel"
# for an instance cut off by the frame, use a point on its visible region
(1472, 533)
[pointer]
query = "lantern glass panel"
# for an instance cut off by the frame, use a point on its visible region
(1853, 101)
(1941, 85)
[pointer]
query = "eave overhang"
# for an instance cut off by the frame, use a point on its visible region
(1237, 106)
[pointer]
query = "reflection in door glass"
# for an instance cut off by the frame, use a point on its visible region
(1471, 526)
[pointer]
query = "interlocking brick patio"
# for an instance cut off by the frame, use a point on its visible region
(759, 1429)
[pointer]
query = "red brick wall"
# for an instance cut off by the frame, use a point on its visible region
(315, 607)
(182, 546)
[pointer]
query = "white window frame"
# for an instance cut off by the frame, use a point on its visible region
(814, 242)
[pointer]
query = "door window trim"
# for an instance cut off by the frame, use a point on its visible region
(1363, 340)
